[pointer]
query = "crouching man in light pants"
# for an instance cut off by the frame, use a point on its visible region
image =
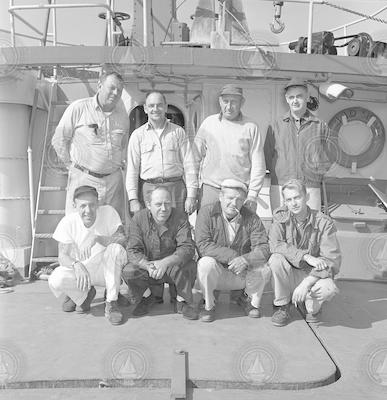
(233, 247)
(91, 253)
(306, 256)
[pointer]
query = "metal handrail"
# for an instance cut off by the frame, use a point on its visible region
(36, 38)
(13, 9)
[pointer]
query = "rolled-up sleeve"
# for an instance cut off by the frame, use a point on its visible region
(190, 163)
(133, 166)
(64, 132)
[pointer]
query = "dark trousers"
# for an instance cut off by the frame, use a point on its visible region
(182, 277)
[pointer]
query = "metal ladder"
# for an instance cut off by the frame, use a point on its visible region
(44, 190)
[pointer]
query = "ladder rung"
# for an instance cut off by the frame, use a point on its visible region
(43, 235)
(51, 212)
(52, 188)
(45, 259)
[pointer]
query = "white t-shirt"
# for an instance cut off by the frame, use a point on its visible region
(71, 230)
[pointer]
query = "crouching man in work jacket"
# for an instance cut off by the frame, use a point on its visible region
(233, 247)
(91, 253)
(306, 256)
(161, 250)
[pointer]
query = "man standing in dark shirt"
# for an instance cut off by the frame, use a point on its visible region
(160, 250)
(296, 147)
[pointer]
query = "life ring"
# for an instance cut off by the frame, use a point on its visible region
(371, 122)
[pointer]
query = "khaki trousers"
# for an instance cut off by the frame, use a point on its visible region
(211, 276)
(285, 278)
(104, 269)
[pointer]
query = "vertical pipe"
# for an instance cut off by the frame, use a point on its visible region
(46, 25)
(310, 27)
(109, 24)
(12, 23)
(145, 7)
(54, 25)
(54, 38)
(345, 34)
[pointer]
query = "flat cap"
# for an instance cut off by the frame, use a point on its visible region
(234, 184)
(85, 189)
(296, 82)
(231, 89)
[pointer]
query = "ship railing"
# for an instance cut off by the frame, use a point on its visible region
(14, 9)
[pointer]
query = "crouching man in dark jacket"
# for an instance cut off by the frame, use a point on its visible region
(161, 250)
(233, 247)
(306, 256)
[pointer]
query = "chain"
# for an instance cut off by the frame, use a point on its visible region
(327, 3)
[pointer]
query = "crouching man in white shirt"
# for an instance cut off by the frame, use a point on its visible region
(91, 253)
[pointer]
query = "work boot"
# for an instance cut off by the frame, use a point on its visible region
(245, 302)
(68, 305)
(281, 316)
(188, 311)
(252, 312)
(85, 306)
(207, 315)
(142, 308)
(112, 312)
(310, 318)
(122, 300)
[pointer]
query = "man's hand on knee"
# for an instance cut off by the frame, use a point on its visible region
(317, 263)
(83, 277)
(160, 269)
(238, 265)
(300, 292)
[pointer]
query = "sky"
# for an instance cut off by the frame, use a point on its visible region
(84, 27)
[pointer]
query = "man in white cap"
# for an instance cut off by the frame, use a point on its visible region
(296, 147)
(233, 249)
(229, 145)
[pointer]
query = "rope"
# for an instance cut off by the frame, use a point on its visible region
(327, 3)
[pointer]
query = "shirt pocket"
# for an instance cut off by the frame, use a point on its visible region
(116, 138)
(171, 152)
(146, 147)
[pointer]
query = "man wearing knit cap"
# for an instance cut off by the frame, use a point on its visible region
(233, 249)
(296, 147)
(229, 145)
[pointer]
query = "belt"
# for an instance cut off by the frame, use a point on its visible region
(87, 171)
(156, 181)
